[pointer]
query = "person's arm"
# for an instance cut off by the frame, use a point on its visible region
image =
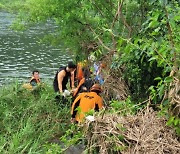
(77, 89)
(61, 76)
(99, 104)
(72, 79)
(74, 106)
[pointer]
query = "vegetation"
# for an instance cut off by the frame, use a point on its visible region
(11, 6)
(139, 41)
(30, 121)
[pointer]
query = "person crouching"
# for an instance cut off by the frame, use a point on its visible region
(86, 101)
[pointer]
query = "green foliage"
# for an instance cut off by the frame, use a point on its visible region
(172, 119)
(144, 35)
(1, 6)
(12, 6)
(73, 136)
(157, 92)
(152, 52)
(29, 120)
(126, 107)
(175, 123)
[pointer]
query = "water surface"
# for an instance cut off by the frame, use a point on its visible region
(21, 52)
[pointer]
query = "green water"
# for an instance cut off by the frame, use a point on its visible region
(21, 52)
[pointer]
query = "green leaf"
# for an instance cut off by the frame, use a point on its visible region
(177, 18)
(168, 79)
(176, 121)
(152, 58)
(153, 24)
(158, 78)
(161, 91)
(178, 131)
(170, 121)
(163, 2)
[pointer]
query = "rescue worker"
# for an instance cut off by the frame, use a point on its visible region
(79, 75)
(85, 83)
(86, 101)
(62, 76)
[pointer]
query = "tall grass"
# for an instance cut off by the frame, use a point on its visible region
(30, 120)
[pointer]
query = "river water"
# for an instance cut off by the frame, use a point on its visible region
(21, 52)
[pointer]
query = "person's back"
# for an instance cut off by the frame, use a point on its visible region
(86, 101)
(65, 79)
(89, 100)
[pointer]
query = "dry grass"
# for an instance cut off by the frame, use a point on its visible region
(143, 133)
(174, 95)
(115, 86)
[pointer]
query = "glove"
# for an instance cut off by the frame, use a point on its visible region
(66, 93)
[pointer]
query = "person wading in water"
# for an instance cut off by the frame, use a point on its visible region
(35, 80)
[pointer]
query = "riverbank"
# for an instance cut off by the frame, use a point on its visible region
(141, 55)
(32, 122)
(29, 121)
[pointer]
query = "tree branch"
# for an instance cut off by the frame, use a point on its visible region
(126, 24)
(101, 42)
(117, 13)
(97, 8)
(175, 69)
(115, 19)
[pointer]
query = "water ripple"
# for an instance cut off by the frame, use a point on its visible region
(21, 53)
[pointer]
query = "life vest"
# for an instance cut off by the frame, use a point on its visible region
(85, 101)
(65, 79)
(34, 79)
(29, 85)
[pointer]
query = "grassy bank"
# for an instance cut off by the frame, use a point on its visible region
(29, 122)
(32, 122)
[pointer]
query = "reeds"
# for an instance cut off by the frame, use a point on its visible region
(144, 133)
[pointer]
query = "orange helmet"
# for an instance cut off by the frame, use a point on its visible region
(96, 87)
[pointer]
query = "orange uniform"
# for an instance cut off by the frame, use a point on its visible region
(86, 101)
(79, 85)
(79, 74)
